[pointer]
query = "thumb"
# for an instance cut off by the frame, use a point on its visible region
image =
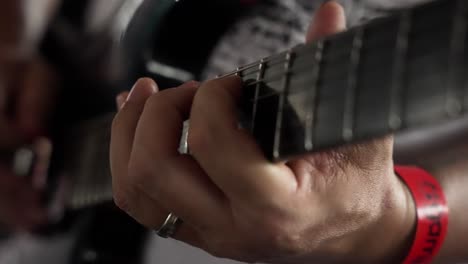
(329, 19)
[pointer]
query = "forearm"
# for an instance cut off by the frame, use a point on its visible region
(454, 181)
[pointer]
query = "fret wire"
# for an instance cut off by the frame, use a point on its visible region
(255, 64)
(402, 47)
(312, 102)
(238, 72)
(282, 101)
(454, 103)
(396, 104)
(260, 74)
(270, 79)
(350, 103)
(267, 59)
(279, 76)
(305, 68)
(246, 67)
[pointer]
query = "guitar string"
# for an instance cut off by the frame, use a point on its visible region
(309, 48)
(436, 50)
(306, 67)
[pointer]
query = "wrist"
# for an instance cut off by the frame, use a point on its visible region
(405, 224)
(432, 213)
(389, 238)
(453, 180)
(400, 225)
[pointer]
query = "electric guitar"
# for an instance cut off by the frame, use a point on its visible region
(396, 74)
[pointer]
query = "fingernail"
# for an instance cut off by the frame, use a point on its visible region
(190, 84)
(120, 100)
(194, 84)
(142, 89)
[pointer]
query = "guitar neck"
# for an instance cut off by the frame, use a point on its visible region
(394, 74)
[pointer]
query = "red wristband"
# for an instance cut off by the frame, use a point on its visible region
(432, 214)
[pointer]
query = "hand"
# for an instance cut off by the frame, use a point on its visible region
(26, 81)
(26, 95)
(20, 203)
(344, 205)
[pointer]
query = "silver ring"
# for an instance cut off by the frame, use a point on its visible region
(169, 227)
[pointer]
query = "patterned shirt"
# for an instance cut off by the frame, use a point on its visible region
(275, 26)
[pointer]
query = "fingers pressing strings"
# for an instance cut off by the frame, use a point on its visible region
(138, 204)
(124, 125)
(121, 145)
(328, 20)
(179, 184)
(229, 155)
(130, 179)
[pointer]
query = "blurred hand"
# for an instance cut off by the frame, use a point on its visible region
(20, 204)
(26, 96)
(344, 205)
(26, 81)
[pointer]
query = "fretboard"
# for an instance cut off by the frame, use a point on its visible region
(394, 74)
